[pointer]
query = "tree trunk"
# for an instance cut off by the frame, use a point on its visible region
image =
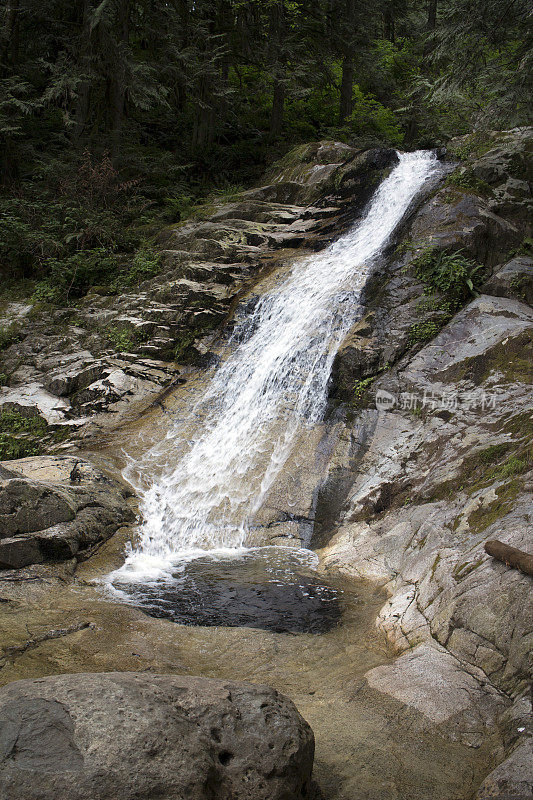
(204, 121)
(9, 47)
(278, 61)
(389, 21)
(432, 15)
(431, 25)
(276, 114)
(510, 556)
(117, 86)
(83, 98)
(346, 95)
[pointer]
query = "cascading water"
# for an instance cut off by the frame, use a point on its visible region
(272, 385)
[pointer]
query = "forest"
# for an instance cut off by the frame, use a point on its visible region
(121, 116)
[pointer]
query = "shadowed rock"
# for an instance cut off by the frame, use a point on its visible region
(132, 735)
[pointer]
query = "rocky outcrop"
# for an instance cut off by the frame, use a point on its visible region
(435, 458)
(56, 508)
(513, 279)
(96, 736)
(112, 353)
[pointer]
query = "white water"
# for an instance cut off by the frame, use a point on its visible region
(272, 385)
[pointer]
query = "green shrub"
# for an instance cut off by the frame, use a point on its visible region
(146, 263)
(476, 144)
(12, 447)
(183, 351)
(9, 335)
(121, 339)
(450, 274)
(468, 182)
(423, 331)
(15, 422)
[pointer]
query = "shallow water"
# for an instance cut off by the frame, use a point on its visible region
(272, 588)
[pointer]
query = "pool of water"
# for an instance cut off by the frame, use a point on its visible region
(271, 588)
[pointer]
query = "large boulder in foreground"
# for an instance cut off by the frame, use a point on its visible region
(54, 508)
(125, 735)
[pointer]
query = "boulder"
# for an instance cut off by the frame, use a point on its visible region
(513, 279)
(45, 514)
(137, 736)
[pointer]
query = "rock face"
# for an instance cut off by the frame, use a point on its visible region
(133, 735)
(112, 352)
(513, 778)
(514, 279)
(45, 515)
(435, 459)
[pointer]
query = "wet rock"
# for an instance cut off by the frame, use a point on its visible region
(456, 219)
(44, 516)
(32, 400)
(358, 177)
(430, 479)
(27, 506)
(96, 736)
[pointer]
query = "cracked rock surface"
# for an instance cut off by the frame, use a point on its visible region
(47, 515)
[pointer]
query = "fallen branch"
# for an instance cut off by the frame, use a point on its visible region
(510, 556)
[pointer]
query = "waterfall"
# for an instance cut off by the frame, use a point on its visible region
(270, 388)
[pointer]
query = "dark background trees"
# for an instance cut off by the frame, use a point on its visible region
(176, 99)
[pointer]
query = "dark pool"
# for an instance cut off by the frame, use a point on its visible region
(269, 588)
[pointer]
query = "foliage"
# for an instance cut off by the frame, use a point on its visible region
(12, 447)
(8, 336)
(451, 274)
(424, 331)
(15, 422)
(121, 339)
(184, 352)
(117, 117)
(474, 145)
(468, 182)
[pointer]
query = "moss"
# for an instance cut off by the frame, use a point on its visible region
(513, 466)
(467, 181)
(462, 570)
(14, 422)
(520, 425)
(484, 516)
(512, 360)
(481, 469)
(435, 565)
(12, 447)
